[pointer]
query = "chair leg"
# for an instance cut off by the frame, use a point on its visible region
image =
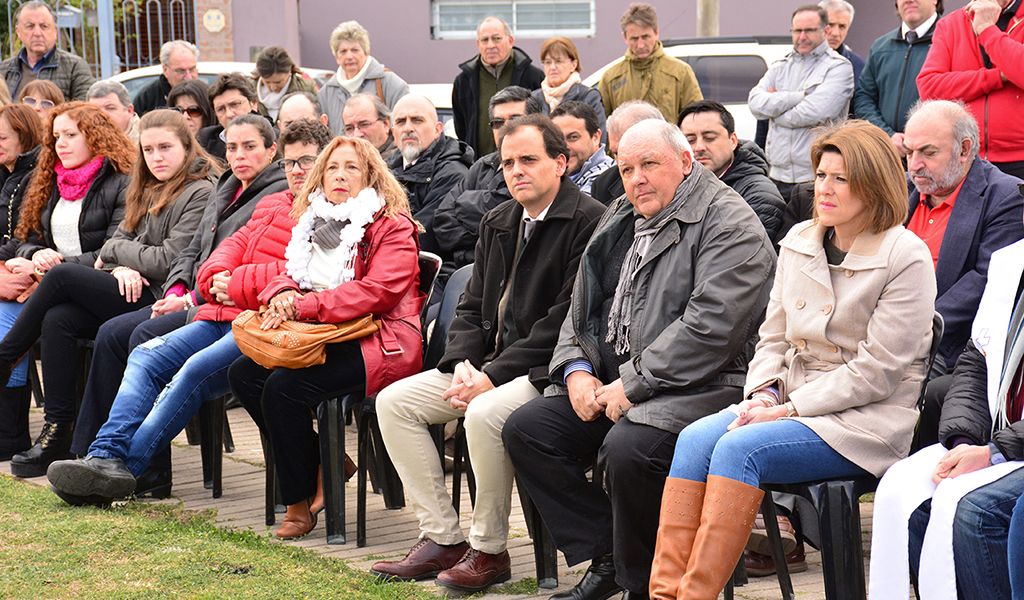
(211, 417)
(362, 460)
(193, 432)
(390, 483)
(841, 543)
(229, 440)
(545, 555)
(771, 524)
(332, 453)
(33, 376)
(270, 490)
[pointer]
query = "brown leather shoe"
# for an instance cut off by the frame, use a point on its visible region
(477, 571)
(762, 565)
(425, 560)
(298, 521)
(759, 543)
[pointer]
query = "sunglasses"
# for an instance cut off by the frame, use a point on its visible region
(499, 123)
(193, 111)
(40, 102)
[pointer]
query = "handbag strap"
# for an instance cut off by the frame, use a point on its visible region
(10, 212)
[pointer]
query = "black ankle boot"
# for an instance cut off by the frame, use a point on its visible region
(14, 407)
(53, 443)
(156, 481)
(598, 582)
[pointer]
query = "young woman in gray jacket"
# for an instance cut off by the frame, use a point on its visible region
(169, 186)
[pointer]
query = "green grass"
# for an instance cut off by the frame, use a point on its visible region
(51, 550)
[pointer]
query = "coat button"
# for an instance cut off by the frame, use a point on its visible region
(848, 273)
(801, 344)
(800, 304)
(827, 309)
(834, 348)
(486, 324)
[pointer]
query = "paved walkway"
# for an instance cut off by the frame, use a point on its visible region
(390, 533)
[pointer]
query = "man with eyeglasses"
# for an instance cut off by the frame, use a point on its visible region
(810, 87)
(498, 65)
(232, 95)
(366, 116)
(40, 58)
(112, 97)
(178, 59)
(457, 218)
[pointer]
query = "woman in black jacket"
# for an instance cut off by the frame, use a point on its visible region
(21, 132)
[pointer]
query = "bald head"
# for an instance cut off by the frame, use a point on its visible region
(654, 158)
(299, 105)
(627, 115)
(414, 125)
(494, 40)
(941, 139)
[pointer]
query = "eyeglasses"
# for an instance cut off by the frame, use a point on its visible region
(193, 111)
(305, 163)
(361, 126)
(499, 123)
(40, 102)
(185, 72)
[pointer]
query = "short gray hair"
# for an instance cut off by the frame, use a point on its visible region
(630, 113)
(514, 93)
(350, 31)
(33, 5)
(106, 87)
(504, 25)
(840, 5)
(169, 47)
(955, 113)
(383, 112)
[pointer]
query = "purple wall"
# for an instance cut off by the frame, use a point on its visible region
(400, 30)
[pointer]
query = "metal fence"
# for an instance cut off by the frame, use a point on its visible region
(140, 28)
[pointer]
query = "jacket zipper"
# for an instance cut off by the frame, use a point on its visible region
(903, 77)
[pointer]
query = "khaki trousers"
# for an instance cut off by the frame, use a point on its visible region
(406, 408)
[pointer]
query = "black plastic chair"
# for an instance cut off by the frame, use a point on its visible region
(331, 418)
(836, 503)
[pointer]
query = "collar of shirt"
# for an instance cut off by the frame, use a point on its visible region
(950, 199)
(528, 219)
(921, 29)
(23, 57)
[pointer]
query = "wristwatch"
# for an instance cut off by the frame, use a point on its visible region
(790, 409)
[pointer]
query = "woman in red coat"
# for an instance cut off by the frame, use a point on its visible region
(352, 213)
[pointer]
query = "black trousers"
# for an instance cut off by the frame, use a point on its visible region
(282, 401)
(70, 303)
(552, 449)
(927, 432)
(115, 340)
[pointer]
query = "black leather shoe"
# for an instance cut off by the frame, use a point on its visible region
(598, 582)
(154, 483)
(53, 443)
(91, 477)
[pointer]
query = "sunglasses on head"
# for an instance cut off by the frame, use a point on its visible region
(40, 102)
(192, 111)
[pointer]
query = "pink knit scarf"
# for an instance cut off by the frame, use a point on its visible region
(74, 183)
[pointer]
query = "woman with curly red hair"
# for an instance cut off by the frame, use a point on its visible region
(72, 205)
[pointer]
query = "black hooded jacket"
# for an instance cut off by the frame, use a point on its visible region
(748, 176)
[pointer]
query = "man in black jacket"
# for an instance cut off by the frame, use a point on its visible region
(232, 95)
(498, 65)
(457, 218)
(178, 60)
(429, 164)
(741, 165)
(608, 185)
(496, 360)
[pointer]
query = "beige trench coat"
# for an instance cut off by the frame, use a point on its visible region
(847, 344)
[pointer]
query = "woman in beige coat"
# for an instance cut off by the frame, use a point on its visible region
(831, 389)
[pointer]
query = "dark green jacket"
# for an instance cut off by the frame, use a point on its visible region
(888, 87)
(69, 72)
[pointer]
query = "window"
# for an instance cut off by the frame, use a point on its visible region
(457, 19)
(727, 79)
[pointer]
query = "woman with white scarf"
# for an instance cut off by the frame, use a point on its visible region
(561, 62)
(358, 73)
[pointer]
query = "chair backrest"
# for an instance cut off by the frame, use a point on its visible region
(938, 327)
(453, 291)
(430, 266)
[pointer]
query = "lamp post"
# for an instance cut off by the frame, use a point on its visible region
(707, 18)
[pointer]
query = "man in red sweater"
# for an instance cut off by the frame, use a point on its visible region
(977, 56)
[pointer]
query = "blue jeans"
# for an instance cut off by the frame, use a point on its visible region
(1015, 546)
(783, 451)
(166, 381)
(984, 518)
(9, 312)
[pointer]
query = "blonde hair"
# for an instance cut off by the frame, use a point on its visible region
(873, 169)
(376, 175)
(350, 31)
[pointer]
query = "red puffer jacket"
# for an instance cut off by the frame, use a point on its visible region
(954, 70)
(254, 255)
(386, 285)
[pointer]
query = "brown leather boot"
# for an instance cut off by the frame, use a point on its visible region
(298, 521)
(681, 504)
(725, 523)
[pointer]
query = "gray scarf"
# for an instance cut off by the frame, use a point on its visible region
(644, 230)
(327, 233)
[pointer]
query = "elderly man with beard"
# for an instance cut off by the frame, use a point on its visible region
(429, 164)
(965, 209)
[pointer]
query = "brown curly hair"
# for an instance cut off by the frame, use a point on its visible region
(103, 138)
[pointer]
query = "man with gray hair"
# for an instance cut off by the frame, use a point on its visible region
(840, 19)
(35, 24)
(498, 65)
(178, 59)
(299, 105)
(608, 185)
(112, 97)
(964, 209)
(429, 164)
(367, 117)
(664, 313)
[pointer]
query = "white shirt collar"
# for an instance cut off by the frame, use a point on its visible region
(540, 217)
(920, 29)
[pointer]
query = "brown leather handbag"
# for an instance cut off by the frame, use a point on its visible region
(295, 344)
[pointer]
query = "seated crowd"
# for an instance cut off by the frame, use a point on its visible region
(660, 317)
